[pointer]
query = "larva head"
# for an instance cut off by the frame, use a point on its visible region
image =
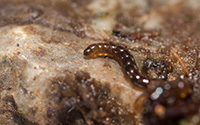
(91, 51)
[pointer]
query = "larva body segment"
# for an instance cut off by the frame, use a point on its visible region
(122, 56)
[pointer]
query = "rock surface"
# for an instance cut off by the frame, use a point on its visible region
(41, 58)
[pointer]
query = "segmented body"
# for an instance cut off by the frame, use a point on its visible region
(122, 56)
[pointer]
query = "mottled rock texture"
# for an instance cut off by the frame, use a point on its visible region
(45, 79)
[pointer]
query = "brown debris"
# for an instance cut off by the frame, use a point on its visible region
(136, 35)
(157, 69)
(11, 109)
(86, 101)
(180, 60)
